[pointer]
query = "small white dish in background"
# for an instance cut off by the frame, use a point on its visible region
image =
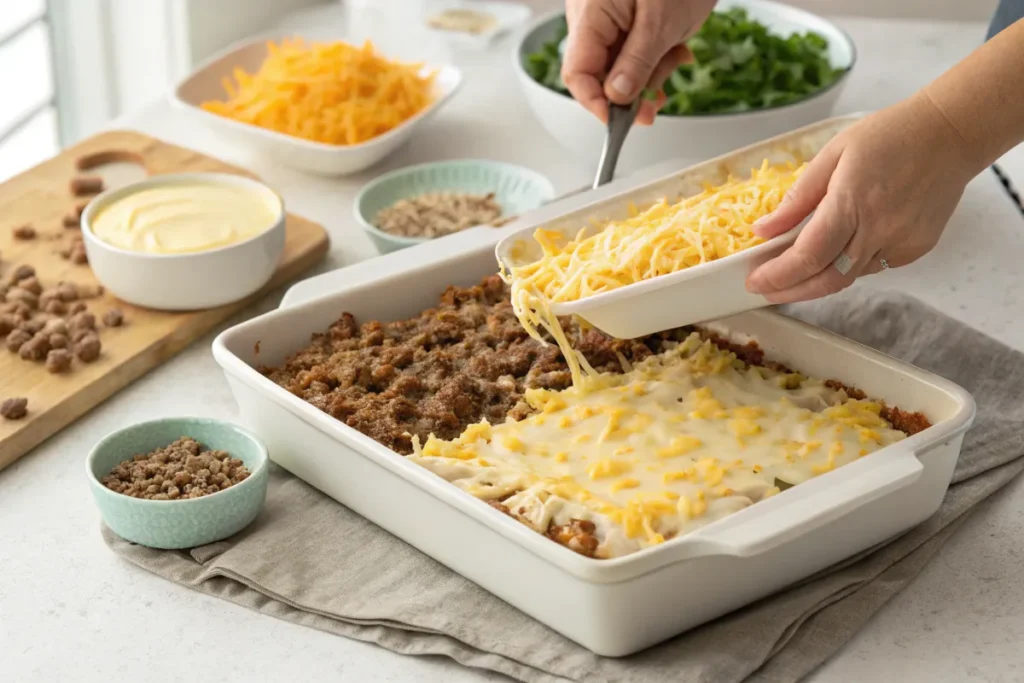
(186, 281)
(503, 16)
(206, 84)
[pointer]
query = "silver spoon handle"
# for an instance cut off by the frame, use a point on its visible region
(620, 120)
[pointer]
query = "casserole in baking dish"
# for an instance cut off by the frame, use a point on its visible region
(619, 605)
(678, 430)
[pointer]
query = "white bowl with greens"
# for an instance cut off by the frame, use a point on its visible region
(762, 69)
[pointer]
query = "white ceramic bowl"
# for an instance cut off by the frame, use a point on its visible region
(206, 83)
(689, 139)
(185, 282)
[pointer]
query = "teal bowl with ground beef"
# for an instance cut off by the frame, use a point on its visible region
(184, 522)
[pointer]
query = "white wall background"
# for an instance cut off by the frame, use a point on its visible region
(119, 55)
(213, 25)
(963, 10)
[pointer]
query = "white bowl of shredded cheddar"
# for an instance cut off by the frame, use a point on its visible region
(329, 108)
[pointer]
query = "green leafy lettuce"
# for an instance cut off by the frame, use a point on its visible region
(738, 66)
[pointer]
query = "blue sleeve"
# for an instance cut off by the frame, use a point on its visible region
(1008, 12)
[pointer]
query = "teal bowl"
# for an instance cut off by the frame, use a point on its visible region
(176, 524)
(515, 188)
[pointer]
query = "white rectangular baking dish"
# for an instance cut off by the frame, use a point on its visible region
(612, 607)
(694, 295)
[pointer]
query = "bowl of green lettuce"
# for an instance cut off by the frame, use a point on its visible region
(761, 68)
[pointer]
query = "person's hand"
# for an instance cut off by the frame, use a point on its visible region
(883, 189)
(617, 48)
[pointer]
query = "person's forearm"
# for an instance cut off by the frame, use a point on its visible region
(982, 97)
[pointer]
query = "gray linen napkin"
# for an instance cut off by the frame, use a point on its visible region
(309, 560)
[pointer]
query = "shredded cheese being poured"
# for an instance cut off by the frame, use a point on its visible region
(663, 239)
(334, 93)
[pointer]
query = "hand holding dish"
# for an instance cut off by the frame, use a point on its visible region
(666, 264)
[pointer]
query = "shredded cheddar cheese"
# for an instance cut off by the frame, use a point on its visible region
(664, 238)
(333, 93)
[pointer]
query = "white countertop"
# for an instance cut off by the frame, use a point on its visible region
(71, 610)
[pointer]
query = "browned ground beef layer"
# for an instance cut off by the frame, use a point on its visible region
(447, 368)
(467, 360)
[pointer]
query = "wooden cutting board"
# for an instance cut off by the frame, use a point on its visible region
(41, 197)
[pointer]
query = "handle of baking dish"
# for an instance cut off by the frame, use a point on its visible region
(817, 502)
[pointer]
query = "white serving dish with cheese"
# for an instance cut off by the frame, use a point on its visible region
(173, 252)
(619, 606)
(693, 295)
(206, 83)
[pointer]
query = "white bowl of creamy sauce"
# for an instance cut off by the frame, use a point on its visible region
(185, 241)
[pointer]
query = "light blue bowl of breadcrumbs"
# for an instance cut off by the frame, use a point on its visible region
(179, 482)
(415, 204)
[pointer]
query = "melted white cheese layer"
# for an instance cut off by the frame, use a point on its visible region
(683, 439)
